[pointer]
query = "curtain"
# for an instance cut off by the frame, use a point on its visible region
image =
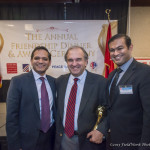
(38, 11)
(96, 11)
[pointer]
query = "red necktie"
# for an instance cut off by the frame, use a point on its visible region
(69, 123)
(45, 109)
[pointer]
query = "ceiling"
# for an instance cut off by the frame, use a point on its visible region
(134, 3)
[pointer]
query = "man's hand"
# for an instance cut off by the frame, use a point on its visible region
(95, 136)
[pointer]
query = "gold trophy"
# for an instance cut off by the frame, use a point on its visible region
(100, 112)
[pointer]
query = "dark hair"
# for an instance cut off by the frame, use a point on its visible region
(41, 48)
(118, 36)
(76, 46)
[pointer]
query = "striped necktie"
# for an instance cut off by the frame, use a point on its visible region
(69, 123)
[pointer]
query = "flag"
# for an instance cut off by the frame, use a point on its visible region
(25, 67)
(109, 65)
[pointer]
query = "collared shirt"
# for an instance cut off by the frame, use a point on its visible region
(49, 91)
(80, 87)
(124, 68)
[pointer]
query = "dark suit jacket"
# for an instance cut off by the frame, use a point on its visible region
(92, 97)
(23, 112)
(130, 113)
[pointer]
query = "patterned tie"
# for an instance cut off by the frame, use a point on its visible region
(113, 85)
(69, 123)
(45, 108)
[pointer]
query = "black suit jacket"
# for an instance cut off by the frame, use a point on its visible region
(92, 97)
(129, 114)
(23, 112)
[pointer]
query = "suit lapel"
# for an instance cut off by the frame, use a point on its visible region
(53, 88)
(51, 83)
(62, 93)
(124, 79)
(108, 85)
(86, 92)
(128, 73)
(34, 92)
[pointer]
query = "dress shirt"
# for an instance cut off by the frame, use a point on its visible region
(38, 82)
(124, 68)
(80, 87)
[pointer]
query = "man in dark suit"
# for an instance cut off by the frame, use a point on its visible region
(30, 124)
(88, 96)
(129, 102)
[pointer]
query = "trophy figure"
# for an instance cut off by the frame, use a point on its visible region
(100, 112)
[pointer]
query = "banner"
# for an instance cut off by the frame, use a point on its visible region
(19, 38)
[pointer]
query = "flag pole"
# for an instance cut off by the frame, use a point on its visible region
(109, 65)
(107, 11)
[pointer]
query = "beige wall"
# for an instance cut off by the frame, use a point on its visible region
(140, 31)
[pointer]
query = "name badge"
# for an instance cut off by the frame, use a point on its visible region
(125, 89)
